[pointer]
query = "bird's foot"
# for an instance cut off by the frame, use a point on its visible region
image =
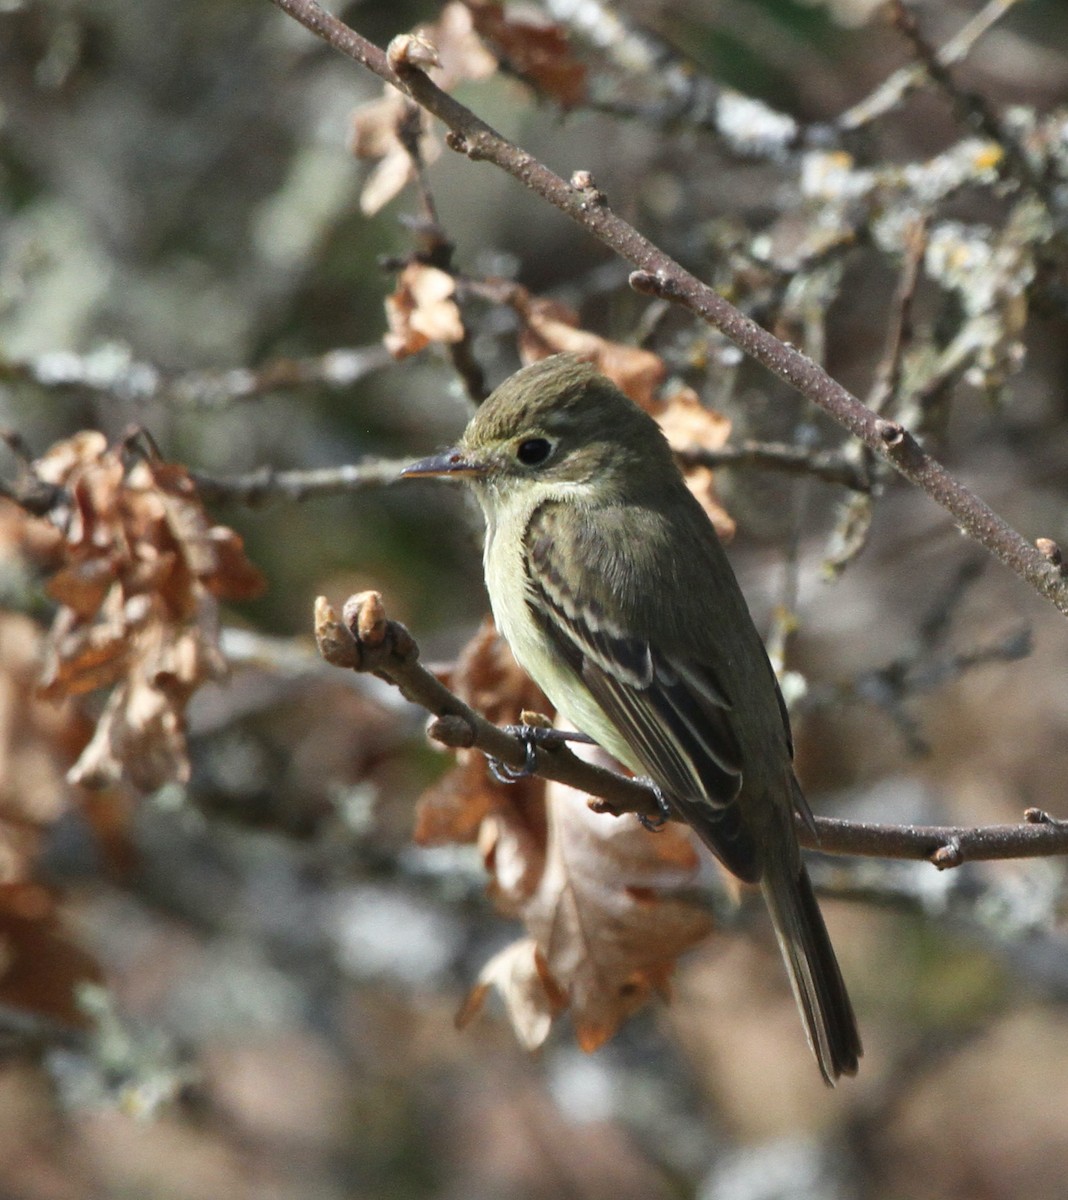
(655, 824)
(531, 736)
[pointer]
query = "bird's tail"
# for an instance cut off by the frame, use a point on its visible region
(814, 972)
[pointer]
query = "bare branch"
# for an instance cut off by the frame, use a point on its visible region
(366, 640)
(659, 275)
(892, 91)
(660, 85)
(829, 465)
(265, 484)
(970, 106)
(257, 487)
(111, 372)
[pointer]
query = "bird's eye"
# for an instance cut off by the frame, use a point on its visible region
(534, 451)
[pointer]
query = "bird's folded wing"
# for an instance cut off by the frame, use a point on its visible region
(672, 714)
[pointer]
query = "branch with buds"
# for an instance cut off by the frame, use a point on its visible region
(365, 639)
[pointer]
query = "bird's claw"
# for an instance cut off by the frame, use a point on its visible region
(505, 773)
(531, 736)
(655, 824)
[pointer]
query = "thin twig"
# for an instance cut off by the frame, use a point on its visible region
(892, 91)
(265, 483)
(659, 275)
(365, 640)
(886, 382)
(662, 86)
(971, 107)
(111, 373)
(831, 466)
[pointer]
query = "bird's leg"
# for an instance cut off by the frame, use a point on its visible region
(655, 824)
(531, 736)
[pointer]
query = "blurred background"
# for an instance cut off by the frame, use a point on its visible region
(245, 983)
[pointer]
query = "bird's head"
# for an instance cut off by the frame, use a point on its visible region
(556, 427)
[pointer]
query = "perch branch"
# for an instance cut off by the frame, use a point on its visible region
(366, 640)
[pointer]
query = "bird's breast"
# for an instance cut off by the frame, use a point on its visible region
(511, 598)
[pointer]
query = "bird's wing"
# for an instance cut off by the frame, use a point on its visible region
(669, 707)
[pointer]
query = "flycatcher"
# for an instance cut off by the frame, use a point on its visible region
(611, 587)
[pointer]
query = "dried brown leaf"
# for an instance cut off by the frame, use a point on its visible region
(487, 677)
(140, 736)
(41, 968)
(375, 126)
(82, 586)
(462, 52)
(138, 582)
(552, 328)
(451, 811)
(608, 933)
(234, 576)
(61, 461)
(534, 48)
(518, 973)
(37, 739)
(422, 310)
(687, 424)
(374, 134)
(593, 892)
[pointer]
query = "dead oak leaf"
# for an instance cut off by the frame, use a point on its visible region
(38, 740)
(461, 52)
(603, 930)
(41, 967)
(422, 310)
(375, 132)
(549, 327)
(140, 572)
(141, 733)
(534, 48)
(518, 973)
(607, 931)
(687, 423)
(487, 677)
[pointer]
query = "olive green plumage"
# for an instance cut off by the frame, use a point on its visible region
(611, 586)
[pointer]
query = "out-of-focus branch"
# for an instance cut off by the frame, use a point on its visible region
(110, 372)
(925, 666)
(829, 465)
(662, 86)
(366, 640)
(257, 487)
(265, 484)
(660, 275)
(971, 107)
(889, 94)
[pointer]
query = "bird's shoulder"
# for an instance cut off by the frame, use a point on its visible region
(633, 557)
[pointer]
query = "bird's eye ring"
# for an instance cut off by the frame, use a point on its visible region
(532, 452)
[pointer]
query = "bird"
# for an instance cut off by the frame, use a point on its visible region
(612, 588)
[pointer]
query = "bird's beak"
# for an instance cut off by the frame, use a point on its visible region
(451, 462)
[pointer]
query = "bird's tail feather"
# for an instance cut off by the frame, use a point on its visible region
(813, 968)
